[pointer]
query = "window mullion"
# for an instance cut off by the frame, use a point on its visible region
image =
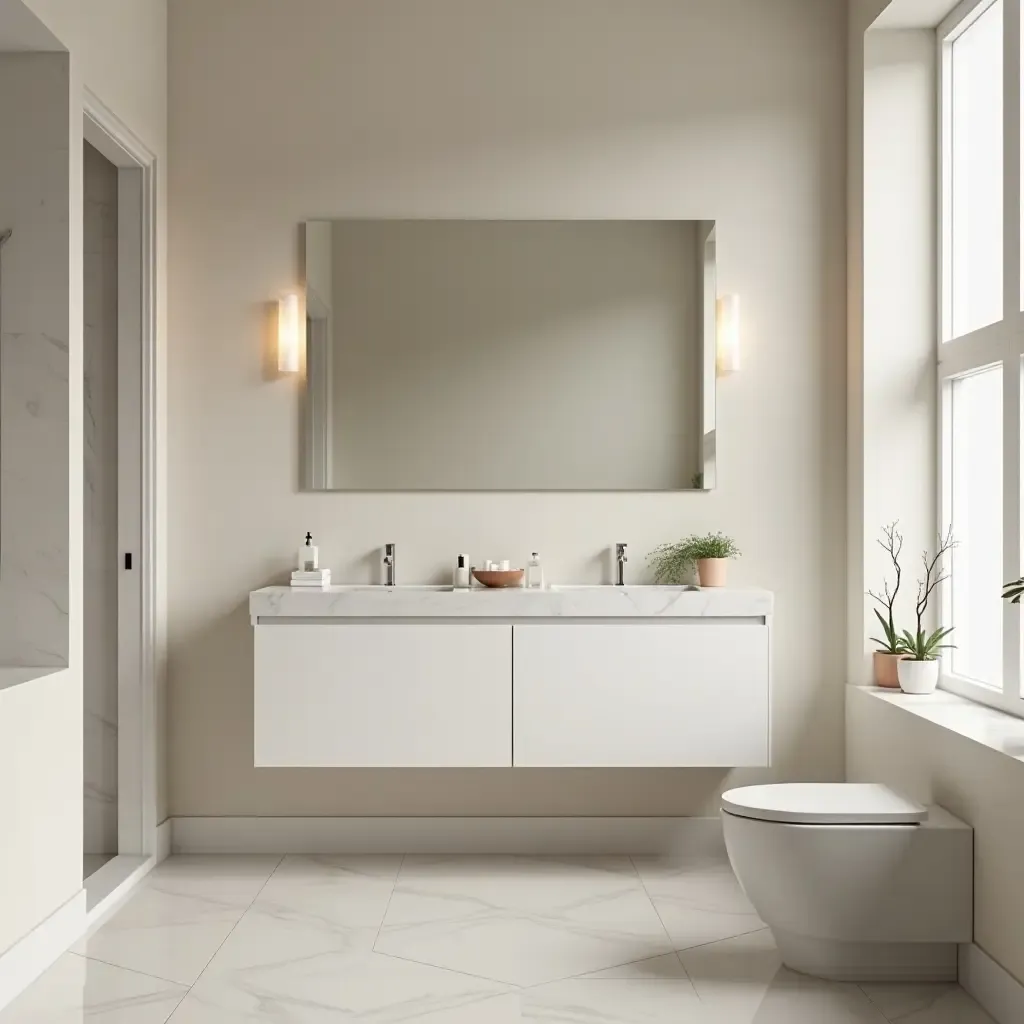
(1012, 295)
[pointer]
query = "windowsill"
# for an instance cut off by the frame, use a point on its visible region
(994, 729)
(15, 675)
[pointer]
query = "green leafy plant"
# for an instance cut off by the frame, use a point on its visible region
(1012, 591)
(924, 646)
(891, 542)
(672, 562)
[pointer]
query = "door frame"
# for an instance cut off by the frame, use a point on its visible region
(137, 485)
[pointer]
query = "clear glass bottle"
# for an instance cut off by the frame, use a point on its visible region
(309, 556)
(534, 573)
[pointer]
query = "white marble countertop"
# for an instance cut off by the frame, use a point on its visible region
(371, 602)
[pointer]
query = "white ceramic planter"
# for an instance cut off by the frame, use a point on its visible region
(918, 676)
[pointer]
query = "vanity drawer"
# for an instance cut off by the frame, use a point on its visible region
(641, 695)
(383, 695)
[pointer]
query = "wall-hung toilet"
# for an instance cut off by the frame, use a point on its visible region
(855, 882)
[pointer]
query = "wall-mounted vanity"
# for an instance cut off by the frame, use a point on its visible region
(574, 676)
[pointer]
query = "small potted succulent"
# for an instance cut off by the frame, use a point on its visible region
(710, 553)
(919, 670)
(891, 649)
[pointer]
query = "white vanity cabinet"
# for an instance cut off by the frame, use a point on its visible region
(383, 694)
(625, 694)
(580, 677)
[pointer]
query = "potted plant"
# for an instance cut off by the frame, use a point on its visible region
(710, 554)
(891, 650)
(919, 670)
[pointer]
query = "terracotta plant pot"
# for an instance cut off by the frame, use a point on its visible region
(712, 572)
(886, 666)
(918, 676)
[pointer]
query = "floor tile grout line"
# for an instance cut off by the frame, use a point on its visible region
(664, 927)
(725, 938)
(511, 987)
(131, 970)
(266, 882)
(387, 906)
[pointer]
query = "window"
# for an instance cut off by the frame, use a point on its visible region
(980, 345)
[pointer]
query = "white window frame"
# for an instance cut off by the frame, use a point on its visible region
(999, 344)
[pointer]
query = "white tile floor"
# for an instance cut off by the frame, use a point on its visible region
(450, 940)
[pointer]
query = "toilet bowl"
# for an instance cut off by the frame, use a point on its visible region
(855, 882)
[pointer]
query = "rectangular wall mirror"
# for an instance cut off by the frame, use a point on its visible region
(509, 355)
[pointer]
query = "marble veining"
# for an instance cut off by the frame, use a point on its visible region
(556, 602)
(35, 365)
(451, 940)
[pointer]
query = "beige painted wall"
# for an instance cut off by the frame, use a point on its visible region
(577, 108)
(979, 785)
(119, 51)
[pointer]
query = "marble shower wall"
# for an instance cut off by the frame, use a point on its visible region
(100, 548)
(35, 296)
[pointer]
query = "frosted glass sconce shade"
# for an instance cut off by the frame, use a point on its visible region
(288, 333)
(727, 315)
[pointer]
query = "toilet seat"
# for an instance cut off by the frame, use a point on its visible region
(824, 803)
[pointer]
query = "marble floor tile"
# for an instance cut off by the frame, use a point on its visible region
(179, 917)
(310, 906)
(231, 877)
(615, 1001)
(657, 968)
(449, 940)
(75, 990)
(332, 987)
(925, 1004)
(522, 921)
(698, 904)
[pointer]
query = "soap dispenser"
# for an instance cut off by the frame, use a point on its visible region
(534, 573)
(309, 556)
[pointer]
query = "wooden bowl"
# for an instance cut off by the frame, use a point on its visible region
(499, 577)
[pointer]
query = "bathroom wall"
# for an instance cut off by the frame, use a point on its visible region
(40, 718)
(34, 305)
(724, 109)
(117, 49)
(119, 52)
(99, 511)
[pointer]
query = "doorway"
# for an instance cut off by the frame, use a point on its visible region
(119, 472)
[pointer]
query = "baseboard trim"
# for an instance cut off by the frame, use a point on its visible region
(163, 840)
(997, 991)
(527, 836)
(33, 954)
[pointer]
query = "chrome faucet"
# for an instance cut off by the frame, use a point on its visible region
(390, 560)
(620, 565)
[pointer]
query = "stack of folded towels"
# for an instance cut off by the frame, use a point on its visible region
(319, 578)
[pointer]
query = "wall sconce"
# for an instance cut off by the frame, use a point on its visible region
(727, 322)
(288, 333)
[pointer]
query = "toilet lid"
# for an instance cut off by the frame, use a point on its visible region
(824, 803)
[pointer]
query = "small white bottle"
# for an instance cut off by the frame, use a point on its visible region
(534, 573)
(309, 556)
(461, 579)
